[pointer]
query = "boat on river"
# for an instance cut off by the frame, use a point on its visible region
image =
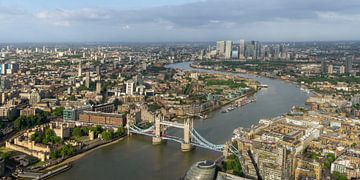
(263, 86)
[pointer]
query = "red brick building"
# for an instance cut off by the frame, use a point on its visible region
(101, 118)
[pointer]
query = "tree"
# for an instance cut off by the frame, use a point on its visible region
(24, 122)
(353, 145)
(46, 137)
(338, 176)
(107, 135)
(233, 164)
(18, 123)
(72, 98)
(116, 102)
(67, 150)
(36, 137)
(76, 132)
(97, 130)
(83, 88)
(54, 154)
(330, 158)
(120, 132)
(4, 155)
(58, 112)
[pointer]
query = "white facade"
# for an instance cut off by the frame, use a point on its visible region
(130, 87)
(228, 49)
(220, 47)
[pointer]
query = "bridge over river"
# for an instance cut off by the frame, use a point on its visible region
(136, 157)
(190, 139)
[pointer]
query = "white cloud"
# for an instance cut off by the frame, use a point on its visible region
(126, 27)
(64, 17)
(338, 17)
(200, 20)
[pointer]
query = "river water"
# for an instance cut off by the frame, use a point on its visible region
(136, 157)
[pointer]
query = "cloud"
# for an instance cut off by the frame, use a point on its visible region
(205, 13)
(200, 20)
(338, 17)
(8, 14)
(64, 17)
(126, 27)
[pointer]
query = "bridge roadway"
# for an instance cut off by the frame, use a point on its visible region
(172, 124)
(195, 139)
(191, 136)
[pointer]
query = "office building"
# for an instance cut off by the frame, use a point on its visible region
(228, 49)
(34, 98)
(72, 114)
(242, 49)
(4, 83)
(254, 47)
(79, 70)
(9, 68)
(98, 87)
(220, 47)
(348, 64)
(330, 69)
(87, 80)
(342, 69)
(102, 118)
(98, 70)
(106, 108)
(235, 54)
(129, 87)
(323, 66)
(201, 170)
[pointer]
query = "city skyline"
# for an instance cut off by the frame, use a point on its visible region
(178, 21)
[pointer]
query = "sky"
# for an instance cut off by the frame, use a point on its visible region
(178, 20)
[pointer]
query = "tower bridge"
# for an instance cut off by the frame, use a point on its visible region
(190, 139)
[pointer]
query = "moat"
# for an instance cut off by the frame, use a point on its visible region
(136, 157)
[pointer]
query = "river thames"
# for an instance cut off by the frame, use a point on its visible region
(136, 157)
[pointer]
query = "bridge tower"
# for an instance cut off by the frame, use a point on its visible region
(157, 138)
(127, 126)
(226, 151)
(186, 145)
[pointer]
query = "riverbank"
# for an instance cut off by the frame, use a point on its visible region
(83, 154)
(233, 94)
(255, 74)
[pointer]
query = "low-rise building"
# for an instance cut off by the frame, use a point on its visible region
(348, 164)
(101, 118)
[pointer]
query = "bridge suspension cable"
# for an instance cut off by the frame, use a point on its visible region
(196, 138)
(202, 142)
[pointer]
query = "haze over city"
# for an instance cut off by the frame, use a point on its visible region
(178, 20)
